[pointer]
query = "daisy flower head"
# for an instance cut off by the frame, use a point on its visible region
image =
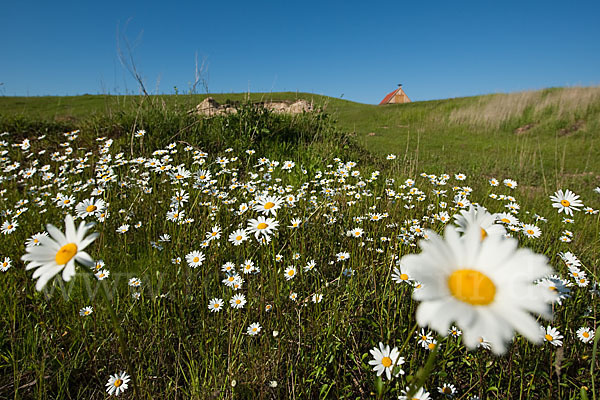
(102, 274)
(85, 311)
(480, 217)
(485, 286)
(531, 231)
(584, 334)
(9, 227)
(552, 335)
(253, 329)
(215, 305)
(268, 204)
(295, 223)
(117, 383)
(5, 264)
(237, 301)
(566, 201)
(195, 259)
(59, 251)
(262, 226)
(386, 361)
(290, 272)
(447, 389)
(35, 239)
(238, 237)
(510, 183)
(135, 282)
(90, 207)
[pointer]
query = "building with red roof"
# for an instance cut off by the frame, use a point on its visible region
(396, 97)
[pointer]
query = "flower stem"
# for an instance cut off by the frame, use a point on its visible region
(117, 328)
(424, 373)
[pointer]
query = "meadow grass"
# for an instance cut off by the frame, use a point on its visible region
(341, 180)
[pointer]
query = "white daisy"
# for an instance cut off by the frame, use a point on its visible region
(59, 252)
(485, 286)
(117, 383)
(386, 361)
(195, 259)
(566, 202)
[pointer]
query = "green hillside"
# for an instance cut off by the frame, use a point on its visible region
(547, 138)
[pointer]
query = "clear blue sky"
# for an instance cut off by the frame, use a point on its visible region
(351, 48)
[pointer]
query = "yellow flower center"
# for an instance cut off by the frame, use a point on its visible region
(238, 237)
(66, 253)
(530, 231)
(565, 203)
(403, 277)
(447, 390)
(548, 337)
(471, 286)
(585, 335)
(291, 272)
(386, 362)
(216, 305)
(262, 225)
(269, 205)
(9, 227)
(238, 301)
(431, 346)
(179, 176)
(91, 208)
(202, 176)
(196, 259)
(483, 234)
(118, 382)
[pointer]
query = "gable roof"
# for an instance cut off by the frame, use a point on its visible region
(389, 96)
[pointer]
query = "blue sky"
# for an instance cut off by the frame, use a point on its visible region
(336, 48)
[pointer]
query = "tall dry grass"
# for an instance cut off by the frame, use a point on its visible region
(497, 109)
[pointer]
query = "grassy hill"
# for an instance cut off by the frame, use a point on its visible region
(547, 138)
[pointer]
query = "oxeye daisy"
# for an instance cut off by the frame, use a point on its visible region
(584, 334)
(5, 264)
(447, 389)
(85, 311)
(552, 335)
(566, 202)
(238, 237)
(237, 301)
(290, 272)
(89, 207)
(117, 383)
(215, 305)
(480, 217)
(253, 329)
(35, 239)
(386, 361)
(531, 231)
(59, 252)
(262, 226)
(510, 183)
(485, 286)
(195, 259)
(9, 227)
(268, 205)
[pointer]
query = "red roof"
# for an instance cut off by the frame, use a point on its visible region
(387, 98)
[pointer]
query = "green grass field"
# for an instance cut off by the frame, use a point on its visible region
(309, 223)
